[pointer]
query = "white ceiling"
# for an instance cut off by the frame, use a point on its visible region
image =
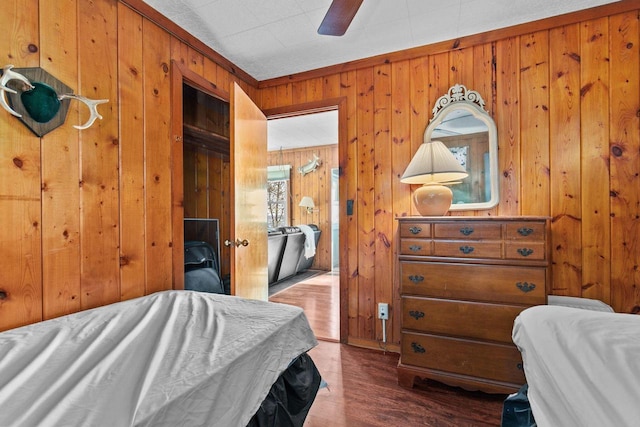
(274, 38)
(303, 131)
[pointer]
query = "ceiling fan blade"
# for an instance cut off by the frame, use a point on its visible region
(339, 17)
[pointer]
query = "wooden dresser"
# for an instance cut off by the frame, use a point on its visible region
(463, 280)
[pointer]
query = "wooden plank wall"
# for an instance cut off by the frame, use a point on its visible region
(87, 214)
(316, 184)
(565, 101)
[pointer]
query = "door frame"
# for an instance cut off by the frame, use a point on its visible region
(180, 74)
(339, 104)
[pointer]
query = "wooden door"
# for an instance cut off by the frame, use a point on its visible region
(248, 240)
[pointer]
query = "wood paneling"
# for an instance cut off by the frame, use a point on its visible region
(88, 216)
(317, 185)
(20, 234)
(507, 122)
(565, 99)
(624, 149)
(99, 157)
(60, 192)
(564, 127)
(594, 106)
(132, 146)
(157, 97)
(365, 207)
(534, 126)
(382, 190)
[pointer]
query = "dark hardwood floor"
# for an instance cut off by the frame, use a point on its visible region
(363, 391)
(363, 385)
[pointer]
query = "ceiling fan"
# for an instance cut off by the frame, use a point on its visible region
(339, 17)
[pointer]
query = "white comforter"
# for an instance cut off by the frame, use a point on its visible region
(582, 366)
(175, 358)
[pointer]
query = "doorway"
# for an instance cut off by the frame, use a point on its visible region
(303, 149)
(246, 241)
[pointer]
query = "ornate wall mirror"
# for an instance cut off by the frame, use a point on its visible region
(462, 124)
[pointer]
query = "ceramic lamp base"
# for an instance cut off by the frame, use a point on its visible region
(433, 199)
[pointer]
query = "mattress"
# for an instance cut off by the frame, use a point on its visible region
(582, 366)
(174, 358)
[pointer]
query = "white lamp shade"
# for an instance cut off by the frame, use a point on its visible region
(433, 163)
(307, 202)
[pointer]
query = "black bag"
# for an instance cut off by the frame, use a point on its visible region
(290, 397)
(516, 410)
(201, 268)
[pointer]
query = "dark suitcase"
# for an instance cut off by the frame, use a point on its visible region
(201, 268)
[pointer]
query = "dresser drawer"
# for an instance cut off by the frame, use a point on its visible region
(492, 322)
(525, 231)
(493, 283)
(497, 362)
(415, 247)
(524, 250)
(415, 230)
(467, 249)
(468, 230)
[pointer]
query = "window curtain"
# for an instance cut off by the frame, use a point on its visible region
(278, 173)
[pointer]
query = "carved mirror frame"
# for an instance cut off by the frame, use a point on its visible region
(459, 101)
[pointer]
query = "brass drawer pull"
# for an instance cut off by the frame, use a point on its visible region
(416, 279)
(466, 249)
(415, 230)
(526, 286)
(416, 314)
(415, 248)
(525, 231)
(417, 348)
(466, 230)
(525, 251)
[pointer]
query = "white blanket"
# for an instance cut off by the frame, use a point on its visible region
(174, 358)
(309, 240)
(582, 366)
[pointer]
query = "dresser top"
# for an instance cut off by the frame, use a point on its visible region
(471, 218)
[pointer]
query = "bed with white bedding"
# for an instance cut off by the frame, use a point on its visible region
(174, 358)
(582, 366)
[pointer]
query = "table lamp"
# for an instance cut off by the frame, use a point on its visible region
(435, 167)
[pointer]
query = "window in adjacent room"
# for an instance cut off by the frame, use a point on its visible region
(278, 196)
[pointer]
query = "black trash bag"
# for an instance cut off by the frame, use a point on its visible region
(516, 410)
(290, 397)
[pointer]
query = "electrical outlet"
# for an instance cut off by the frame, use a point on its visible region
(383, 311)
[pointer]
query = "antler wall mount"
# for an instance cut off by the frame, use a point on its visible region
(41, 101)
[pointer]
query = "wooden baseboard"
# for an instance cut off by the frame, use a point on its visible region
(373, 345)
